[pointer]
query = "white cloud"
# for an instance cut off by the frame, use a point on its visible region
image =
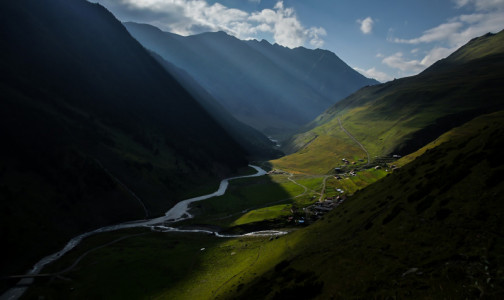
(315, 35)
(374, 73)
(444, 39)
(412, 66)
(489, 17)
(366, 25)
(397, 61)
(436, 54)
(441, 32)
(459, 30)
(187, 17)
(461, 3)
(480, 4)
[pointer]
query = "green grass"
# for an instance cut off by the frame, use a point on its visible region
(262, 214)
(321, 156)
(313, 183)
(401, 116)
(159, 266)
(480, 48)
(439, 214)
(254, 200)
(247, 196)
(352, 184)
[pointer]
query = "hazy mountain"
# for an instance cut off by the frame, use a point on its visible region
(255, 143)
(401, 116)
(90, 123)
(269, 87)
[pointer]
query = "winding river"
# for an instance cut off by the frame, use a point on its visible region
(177, 213)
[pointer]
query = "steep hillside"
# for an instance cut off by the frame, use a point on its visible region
(430, 230)
(94, 130)
(256, 144)
(403, 115)
(257, 82)
(322, 70)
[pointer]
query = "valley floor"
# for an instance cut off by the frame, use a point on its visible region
(280, 200)
(429, 227)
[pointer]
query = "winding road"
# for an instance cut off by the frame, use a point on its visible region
(293, 181)
(322, 191)
(355, 140)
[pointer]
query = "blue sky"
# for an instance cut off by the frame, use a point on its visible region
(382, 39)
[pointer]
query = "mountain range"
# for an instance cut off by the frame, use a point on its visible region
(94, 130)
(270, 87)
(256, 144)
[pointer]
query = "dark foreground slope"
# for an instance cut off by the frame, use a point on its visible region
(401, 116)
(90, 123)
(431, 230)
(269, 87)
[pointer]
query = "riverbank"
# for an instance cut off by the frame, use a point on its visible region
(177, 213)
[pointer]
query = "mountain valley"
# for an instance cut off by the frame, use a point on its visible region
(378, 190)
(269, 87)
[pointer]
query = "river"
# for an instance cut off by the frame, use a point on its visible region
(177, 213)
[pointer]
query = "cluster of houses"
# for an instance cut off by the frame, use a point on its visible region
(317, 210)
(347, 162)
(299, 221)
(277, 172)
(383, 162)
(340, 173)
(320, 208)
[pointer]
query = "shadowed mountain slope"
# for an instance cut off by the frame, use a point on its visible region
(94, 130)
(269, 87)
(256, 144)
(401, 116)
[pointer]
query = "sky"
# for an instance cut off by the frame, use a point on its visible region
(384, 39)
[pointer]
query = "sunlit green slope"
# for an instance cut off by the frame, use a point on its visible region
(432, 229)
(403, 115)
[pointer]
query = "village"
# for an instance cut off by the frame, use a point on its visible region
(316, 211)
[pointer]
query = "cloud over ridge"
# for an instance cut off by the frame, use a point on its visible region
(188, 17)
(487, 16)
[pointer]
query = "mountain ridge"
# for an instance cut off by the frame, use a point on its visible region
(256, 144)
(400, 116)
(89, 117)
(430, 229)
(256, 90)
